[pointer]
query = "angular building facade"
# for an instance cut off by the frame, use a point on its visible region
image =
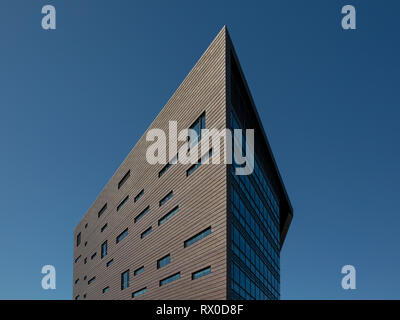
(182, 231)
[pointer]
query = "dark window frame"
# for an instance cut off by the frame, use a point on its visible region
(195, 166)
(123, 287)
(166, 198)
(201, 121)
(106, 289)
(169, 279)
(78, 239)
(162, 261)
(198, 274)
(138, 271)
(104, 227)
(146, 232)
(169, 215)
(139, 292)
(124, 179)
(141, 214)
(167, 166)
(109, 263)
(102, 210)
(138, 196)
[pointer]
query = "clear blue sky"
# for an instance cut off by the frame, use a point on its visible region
(74, 101)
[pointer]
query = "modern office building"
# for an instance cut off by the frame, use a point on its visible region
(184, 231)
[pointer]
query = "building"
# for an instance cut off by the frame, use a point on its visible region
(180, 231)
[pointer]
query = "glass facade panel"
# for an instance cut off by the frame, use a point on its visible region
(255, 265)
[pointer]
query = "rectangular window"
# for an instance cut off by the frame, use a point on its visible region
(93, 256)
(146, 232)
(77, 259)
(103, 228)
(106, 289)
(202, 160)
(197, 126)
(122, 235)
(102, 210)
(125, 279)
(139, 292)
(140, 194)
(104, 249)
(201, 273)
(109, 263)
(169, 279)
(85, 261)
(197, 237)
(168, 165)
(141, 215)
(124, 178)
(78, 239)
(122, 203)
(166, 198)
(138, 271)
(91, 280)
(168, 215)
(163, 261)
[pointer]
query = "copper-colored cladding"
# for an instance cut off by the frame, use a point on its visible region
(202, 200)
